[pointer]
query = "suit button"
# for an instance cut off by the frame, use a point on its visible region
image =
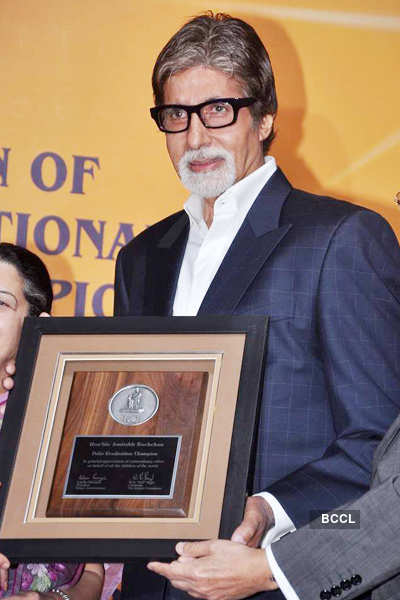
(356, 579)
(345, 584)
(336, 590)
(325, 595)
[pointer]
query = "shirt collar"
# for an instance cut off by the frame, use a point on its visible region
(239, 197)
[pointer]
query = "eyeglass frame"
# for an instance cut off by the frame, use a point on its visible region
(235, 103)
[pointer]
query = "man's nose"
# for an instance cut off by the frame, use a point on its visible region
(197, 134)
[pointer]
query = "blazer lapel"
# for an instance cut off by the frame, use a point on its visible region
(164, 263)
(258, 236)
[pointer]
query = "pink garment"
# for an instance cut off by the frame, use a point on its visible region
(36, 576)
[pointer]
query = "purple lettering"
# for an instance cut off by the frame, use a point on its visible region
(65, 288)
(36, 171)
(22, 228)
(80, 298)
(98, 299)
(79, 170)
(96, 236)
(4, 167)
(39, 234)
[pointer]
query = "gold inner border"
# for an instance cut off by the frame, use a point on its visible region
(67, 366)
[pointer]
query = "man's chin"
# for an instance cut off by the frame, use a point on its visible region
(210, 184)
(205, 189)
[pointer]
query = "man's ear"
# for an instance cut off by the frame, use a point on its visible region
(265, 127)
(44, 314)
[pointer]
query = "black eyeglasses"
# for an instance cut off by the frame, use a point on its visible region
(214, 114)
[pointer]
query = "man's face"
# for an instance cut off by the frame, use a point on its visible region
(211, 160)
(13, 309)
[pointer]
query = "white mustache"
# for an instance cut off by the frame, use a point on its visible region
(203, 154)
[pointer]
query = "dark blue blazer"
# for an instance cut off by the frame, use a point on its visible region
(328, 274)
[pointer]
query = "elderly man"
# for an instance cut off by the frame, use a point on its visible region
(325, 271)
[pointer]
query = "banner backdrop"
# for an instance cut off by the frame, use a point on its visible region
(82, 166)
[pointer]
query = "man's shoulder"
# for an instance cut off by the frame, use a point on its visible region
(306, 208)
(320, 206)
(323, 218)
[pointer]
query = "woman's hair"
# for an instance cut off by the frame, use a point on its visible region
(36, 280)
(227, 44)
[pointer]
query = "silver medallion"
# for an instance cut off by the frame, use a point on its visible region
(134, 404)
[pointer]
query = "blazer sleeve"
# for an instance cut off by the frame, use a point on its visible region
(358, 332)
(314, 560)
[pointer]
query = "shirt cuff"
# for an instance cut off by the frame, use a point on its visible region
(283, 523)
(280, 577)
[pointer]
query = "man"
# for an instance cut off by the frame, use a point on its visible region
(325, 271)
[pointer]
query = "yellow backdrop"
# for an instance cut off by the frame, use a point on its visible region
(82, 166)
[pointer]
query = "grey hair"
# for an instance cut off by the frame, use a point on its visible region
(229, 45)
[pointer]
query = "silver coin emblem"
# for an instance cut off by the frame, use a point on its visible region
(134, 404)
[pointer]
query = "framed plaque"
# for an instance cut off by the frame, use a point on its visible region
(124, 435)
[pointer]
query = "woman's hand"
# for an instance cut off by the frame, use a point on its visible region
(7, 376)
(4, 566)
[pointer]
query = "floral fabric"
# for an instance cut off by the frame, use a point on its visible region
(38, 577)
(41, 577)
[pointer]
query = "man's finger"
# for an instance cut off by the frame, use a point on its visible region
(248, 528)
(258, 517)
(194, 549)
(184, 558)
(245, 532)
(172, 570)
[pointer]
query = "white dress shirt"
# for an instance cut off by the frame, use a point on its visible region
(205, 250)
(206, 247)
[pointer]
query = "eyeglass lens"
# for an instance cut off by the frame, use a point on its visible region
(213, 114)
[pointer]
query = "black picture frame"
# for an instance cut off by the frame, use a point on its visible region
(242, 447)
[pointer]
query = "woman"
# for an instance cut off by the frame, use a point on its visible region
(25, 290)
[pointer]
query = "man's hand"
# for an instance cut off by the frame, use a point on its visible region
(258, 518)
(217, 570)
(7, 375)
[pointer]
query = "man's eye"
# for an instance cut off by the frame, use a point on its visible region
(219, 108)
(176, 114)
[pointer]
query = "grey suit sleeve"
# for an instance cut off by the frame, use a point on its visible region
(314, 559)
